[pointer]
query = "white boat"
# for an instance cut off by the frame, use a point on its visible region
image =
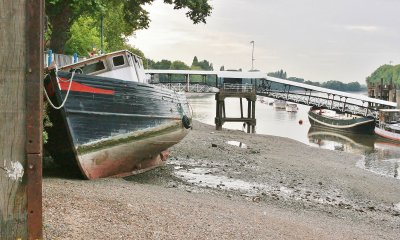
(291, 107)
(280, 104)
(389, 124)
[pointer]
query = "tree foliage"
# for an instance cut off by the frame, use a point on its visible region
(331, 84)
(83, 37)
(121, 18)
(278, 74)
(388, 73)
(202, 65)
(179, 65)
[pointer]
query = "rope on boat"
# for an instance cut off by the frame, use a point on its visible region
(66, 96)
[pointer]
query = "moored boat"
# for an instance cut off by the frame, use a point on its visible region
(389, 124)
(112, 122)
(291, 107)
(341, 122)
(279, 104)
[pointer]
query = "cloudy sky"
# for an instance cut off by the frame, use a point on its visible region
(318, 40)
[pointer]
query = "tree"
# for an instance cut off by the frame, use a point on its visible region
(296, 79)
(163, 64)
(130, 16)
(353, 87)
(386, 72)
(278, 74)
(195, 61)
(83, 37)
(203, 65)
(179, 65)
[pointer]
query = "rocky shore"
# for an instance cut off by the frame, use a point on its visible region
(229, 185)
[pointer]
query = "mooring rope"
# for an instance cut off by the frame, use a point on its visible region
(66, 96)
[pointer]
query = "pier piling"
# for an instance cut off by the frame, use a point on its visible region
(21, 105)
(236, 91)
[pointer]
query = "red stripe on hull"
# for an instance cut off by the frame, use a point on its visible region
(77, 87)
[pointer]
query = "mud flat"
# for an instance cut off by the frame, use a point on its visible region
(230, 185)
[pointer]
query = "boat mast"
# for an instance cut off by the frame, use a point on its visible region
(252, 56)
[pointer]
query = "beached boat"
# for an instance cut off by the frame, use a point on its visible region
(341, 122)
(291, 107)
(112, 123)
(389, 124)
(280, 104)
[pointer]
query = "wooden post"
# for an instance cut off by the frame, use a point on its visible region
(21, 68)
(241, 108)
(248, 114)
(188, 83)
(253, 116)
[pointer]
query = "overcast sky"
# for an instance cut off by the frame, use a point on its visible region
(318, 40)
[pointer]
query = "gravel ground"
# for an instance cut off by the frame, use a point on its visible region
(275, 188)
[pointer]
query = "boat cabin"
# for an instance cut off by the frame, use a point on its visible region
(389, 116)
(122, 65)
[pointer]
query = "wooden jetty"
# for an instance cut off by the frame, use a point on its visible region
(240, 91)
(21, 73)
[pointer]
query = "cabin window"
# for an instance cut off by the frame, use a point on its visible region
(93, 67)
(118, 61)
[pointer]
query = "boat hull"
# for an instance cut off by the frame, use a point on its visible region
(110, 127)
(387, 134)
(358, 125)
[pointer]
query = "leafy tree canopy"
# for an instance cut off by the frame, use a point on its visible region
(331, 84)
(386, 72)
(122, 18)
(179, 65)
(202, 65)
(278, 74)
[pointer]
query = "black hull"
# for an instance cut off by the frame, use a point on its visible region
(110, 127)
(358, 125)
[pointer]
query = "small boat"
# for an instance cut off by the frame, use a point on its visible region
(111, 121)
(341, 122)
(280, 104)
(291, 107)
(389, 124)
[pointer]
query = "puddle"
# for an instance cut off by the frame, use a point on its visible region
(388, 167)
(237, 144)
(202, 177)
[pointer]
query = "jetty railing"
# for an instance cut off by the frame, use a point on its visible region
(229, 87)
(179, 87)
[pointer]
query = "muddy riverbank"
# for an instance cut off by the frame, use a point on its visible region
(230, 185)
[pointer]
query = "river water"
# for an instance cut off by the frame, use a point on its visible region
(379, 156)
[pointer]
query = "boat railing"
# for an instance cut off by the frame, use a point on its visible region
(60, 59)
(228, 87)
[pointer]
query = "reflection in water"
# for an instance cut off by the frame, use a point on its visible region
(380, 157)
(347, 142)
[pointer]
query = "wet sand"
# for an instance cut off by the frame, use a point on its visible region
(276, 188)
